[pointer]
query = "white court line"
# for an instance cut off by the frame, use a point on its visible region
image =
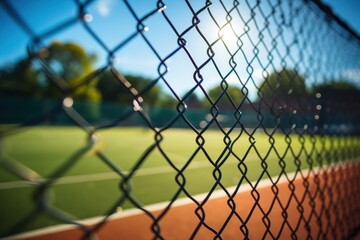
(101, 176)
(152, 208)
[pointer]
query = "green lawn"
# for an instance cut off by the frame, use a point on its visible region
(46, 149)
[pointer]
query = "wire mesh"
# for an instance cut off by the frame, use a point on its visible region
(273, 84)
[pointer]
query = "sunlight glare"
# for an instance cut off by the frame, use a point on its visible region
(227, 34)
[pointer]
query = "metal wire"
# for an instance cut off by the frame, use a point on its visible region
(294, 46)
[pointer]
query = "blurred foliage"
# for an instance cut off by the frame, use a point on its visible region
(337, 85)
(114, 90)
(167, 101)
(71, 63)
(225, 96)
(286, 82)
(64, 67)
(66, 63)
(20, 79)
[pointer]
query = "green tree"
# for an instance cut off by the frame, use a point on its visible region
(337, 85)
(286, 82)
(72, 64)
(167, 101)
(68, 61)
(337, 104)
(20, 79)
(193, 101)
(115, 89)
(231, 92)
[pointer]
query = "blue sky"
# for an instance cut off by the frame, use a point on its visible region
(348, 10)
(113, 23)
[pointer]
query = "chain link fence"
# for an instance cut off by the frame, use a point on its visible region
(224, 94)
